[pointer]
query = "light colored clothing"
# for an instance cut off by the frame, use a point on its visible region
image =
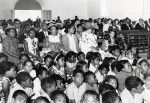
(60, 72)
(75, 93)
(87, 41)
(126, 97)
(32, 45)
(37, 87)
(72, 43)
(16, 87)
(146, 95)
(105, 54)
(43, 94)
(106, 27)
(54, 38)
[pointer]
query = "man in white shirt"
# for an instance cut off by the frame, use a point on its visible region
(133, 90)
(76, 89)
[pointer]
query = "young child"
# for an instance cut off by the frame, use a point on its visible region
(3, 57)
(23, 82)
(113, 81)
(81, 56)
(58, 96)
(146, 92)
(48, 86)
(7, 72)
(48, 62)
(31, 45)
(91, 82)
(133, 90)
(83, 66)
(60, 82)
(22, 58)
(111, 97)
(143, 67)
(29, 67)
(58, 68)
(76, 89)
(41, 100)
(20, 96)
(71, 62)
(41, 74)
(115, 51)
(124, 70)
(90, 96)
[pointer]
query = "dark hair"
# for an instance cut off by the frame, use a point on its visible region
(108, 60)
(53, 26)
(59, 56)
(102, 66)
(47, 81)
(41, 99)
(87, 74)
(80, 64)
(113, 48)
(110, 97)
(31, 29)
(22, 77)
(116, 66)
(19, 92)
(80, 53)
(76, 71)
(7, 31)
(40, 70)
(103, 88)
(22, 55)
(109, 77)
(2, 55)
(58, 77)
(47, 56)
(56, 93)
(132, 82)
(79, 25)
(69, 26)
(69, 55)
(144, 60)
(92, 93)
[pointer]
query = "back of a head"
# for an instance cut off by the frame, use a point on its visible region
(41, 100)
(105, 88)
(132, 82)
(21, 93)
(56, 93)
(22, 77)
(110, 97)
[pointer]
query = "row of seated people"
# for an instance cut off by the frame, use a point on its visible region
(65, 63)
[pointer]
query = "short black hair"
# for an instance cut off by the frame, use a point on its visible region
(76, 71)
(22, 77)
(44, 99)
(19, 92)
(110, 97)
(47, 56)
(47, 81)
(58, 77)
(103, 88)
(68, 26)
(56, 93)
(28, 61)
(87, 74)
(80, 64)
(22, 55)
(116, 65)
(92, 93)
(40, 70)
(132, 82)
(102, 66)
(69, 55)
(2, 55)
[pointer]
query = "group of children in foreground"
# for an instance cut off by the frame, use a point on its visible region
(75, 78)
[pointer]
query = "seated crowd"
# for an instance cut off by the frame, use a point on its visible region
(75, 61)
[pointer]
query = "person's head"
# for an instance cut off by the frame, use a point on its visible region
(3, 57)
(103, 68)
(41, 100)
(116, 66)
(71, 57)
(81, 56)
(112, 80)
(111, 97)
(60, 60)
(17, 23)
(90, 78)
(147, 79)
(126, 65)
(28, 66)
(90, 96)
(24, 79)
(129, 54)
(9, 69)
(11, 32)
(78, 77)
(141, 21)
(108, 60)
(134, 84)
(44, 27)
(41, 72)
(70, 28)
(31, 33)
(48, 85)
(48, 61)
(54, 30)
(132, 48)
(114, 50)
(105, 87)
(83, 66)
(20, 96)
(144, 65)
(95, 59)
(58, 96)
(105, 45)
(111, 34)
(23, 58)
(79, 28)
(60, 82)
